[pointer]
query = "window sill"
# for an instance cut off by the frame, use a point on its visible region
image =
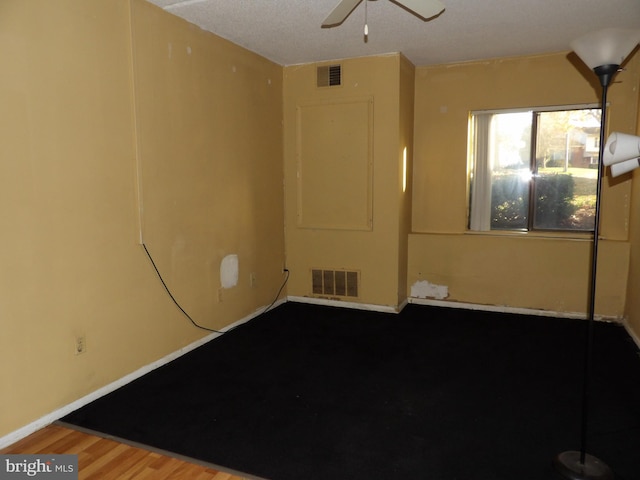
(578, 236)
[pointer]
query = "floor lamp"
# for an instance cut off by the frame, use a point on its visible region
(603, 51)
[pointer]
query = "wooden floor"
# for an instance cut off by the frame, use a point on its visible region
(105, 459)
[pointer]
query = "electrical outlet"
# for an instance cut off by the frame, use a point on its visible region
(81, 344)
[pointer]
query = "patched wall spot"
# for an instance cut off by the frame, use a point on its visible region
(229, 271)
(424, 289)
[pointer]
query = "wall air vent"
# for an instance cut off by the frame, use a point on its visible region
(329, 75)
(334, 283)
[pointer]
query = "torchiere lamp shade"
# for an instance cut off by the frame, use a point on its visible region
(606, 47)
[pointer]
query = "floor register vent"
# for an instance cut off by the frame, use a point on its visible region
(335, 283)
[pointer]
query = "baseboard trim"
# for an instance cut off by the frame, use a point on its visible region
(353, 305)
(48, 419)
(403, 304)
(506, 309)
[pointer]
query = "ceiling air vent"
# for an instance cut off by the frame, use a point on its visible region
(329, 75)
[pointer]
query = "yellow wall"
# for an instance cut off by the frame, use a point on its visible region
(374, 249)
(210, 160)
(210, 147)
(633, 299)
(407, 99)
(531, 270)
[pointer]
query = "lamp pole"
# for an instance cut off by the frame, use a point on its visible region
(588, 361)
(571, 464)
(603, 51)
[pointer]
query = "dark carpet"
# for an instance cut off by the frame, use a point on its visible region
(308, 392)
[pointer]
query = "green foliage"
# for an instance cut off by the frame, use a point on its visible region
(509, 202)
(554, 206)
(554, 201)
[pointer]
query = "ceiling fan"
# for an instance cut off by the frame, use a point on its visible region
(422, 8)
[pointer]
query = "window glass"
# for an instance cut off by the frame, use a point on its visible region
(510, 147)
(534, 170)
(566, 169)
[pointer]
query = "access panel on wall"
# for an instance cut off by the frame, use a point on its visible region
(335, 164)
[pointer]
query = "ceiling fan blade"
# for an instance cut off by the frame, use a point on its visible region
(340, 13)
(423, 8)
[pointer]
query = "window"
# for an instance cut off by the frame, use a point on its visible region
(534, 169)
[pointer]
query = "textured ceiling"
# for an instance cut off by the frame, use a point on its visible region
(288, 32)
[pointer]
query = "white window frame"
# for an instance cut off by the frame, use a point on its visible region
(478, 159)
